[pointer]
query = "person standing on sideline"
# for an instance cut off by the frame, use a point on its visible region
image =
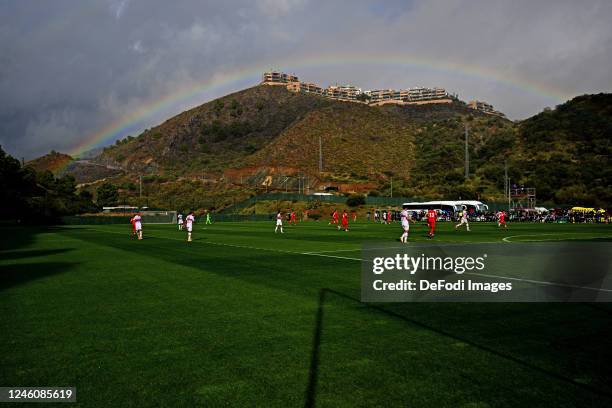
(208, 220)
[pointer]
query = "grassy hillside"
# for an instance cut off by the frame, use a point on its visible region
(563, 152)
(214, 135)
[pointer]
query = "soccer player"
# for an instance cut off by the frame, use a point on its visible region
(431, 221)
(501, 219)
(208, 220)
(405, 226)
(180, 221)
(279, 222)
(138, 225)
(189, 224)
(464, 219)
(344, 221)
(133, 226)
(354, 215)
(334, 220)
(292, 218)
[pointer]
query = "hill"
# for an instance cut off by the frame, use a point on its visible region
(53, 162)
(266, 138)
(83, 171)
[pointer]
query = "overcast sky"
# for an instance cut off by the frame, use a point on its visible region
(70, 68)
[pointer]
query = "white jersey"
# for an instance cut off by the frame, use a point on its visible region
(404, 218)
(279, 219)
(137, 222)
(180, 219)
(190, 219)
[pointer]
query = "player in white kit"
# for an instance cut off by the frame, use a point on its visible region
(464, 219)
(138, 225)
(279, 222)
(405, 226)
(180, 221)
(189, 223)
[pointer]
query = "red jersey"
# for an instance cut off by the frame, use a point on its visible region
(502, 216)
(335, 215)
(293, 216)
(344, 218)
(431, 216)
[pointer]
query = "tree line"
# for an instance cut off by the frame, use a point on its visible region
(30, 196)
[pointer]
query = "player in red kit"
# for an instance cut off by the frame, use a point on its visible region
(334, 220)
(431, 221)
(501, 219)
(344, 220)
(292, 218)
(133, 226)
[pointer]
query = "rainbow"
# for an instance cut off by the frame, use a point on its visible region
(135, 121)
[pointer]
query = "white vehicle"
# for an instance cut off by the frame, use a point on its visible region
(477, 205)
(448, 206)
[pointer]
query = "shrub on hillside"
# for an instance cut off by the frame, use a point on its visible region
(355, 200)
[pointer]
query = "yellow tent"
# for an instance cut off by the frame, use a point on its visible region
(583, 209)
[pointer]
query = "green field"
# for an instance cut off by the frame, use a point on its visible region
(244, 317)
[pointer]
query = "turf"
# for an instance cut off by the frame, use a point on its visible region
(245, 317)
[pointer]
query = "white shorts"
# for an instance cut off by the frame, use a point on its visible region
(405, 225)
(138, 226)
(189, 227)
(464, 221)
(279, 223)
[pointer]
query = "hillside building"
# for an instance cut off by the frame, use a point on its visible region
(418, 95)
(344, 92)
(484, 108)
(278, 78)
(410, 96)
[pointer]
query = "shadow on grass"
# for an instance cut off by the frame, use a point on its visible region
(311, 389)
(19, 274)
(33, 253)
(14, 245)
(14, 237)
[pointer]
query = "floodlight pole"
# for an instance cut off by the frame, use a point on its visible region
(140, 184)
(320, 155)
(467, 154)
(506, 186)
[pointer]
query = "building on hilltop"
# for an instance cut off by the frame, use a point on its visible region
(343, 92)
(278, 78)
(410, 96)
(308, 87)
(484, 108)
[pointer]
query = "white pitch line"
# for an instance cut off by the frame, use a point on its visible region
(348, 250)
(369, 260)
(507, 239)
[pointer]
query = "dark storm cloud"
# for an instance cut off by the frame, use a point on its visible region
(67, 68)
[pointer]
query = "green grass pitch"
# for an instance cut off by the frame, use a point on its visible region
(245, 317)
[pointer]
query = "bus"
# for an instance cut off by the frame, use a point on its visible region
(478, 206)
(451, 208)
